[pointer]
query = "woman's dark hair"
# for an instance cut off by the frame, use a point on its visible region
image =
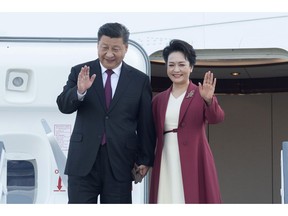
(180, 46)
(114, 30)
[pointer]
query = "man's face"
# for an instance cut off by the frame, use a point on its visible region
(111, 51)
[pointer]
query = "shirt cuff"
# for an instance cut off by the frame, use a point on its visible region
(81, 96)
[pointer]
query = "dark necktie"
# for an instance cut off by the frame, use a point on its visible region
(108, 95)
(108, 88)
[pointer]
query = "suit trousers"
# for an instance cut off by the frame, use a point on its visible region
(99, 182)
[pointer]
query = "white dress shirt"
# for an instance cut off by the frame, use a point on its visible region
(114, 80)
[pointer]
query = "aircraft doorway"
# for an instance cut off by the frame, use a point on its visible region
(247, 145)
(242, 71)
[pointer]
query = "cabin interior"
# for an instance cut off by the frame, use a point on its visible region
(252, 88)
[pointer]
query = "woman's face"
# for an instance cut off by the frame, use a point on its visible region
(178, 68)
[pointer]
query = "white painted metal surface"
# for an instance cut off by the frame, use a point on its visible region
(33, 72)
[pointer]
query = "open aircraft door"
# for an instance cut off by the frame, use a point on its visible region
(35, 135)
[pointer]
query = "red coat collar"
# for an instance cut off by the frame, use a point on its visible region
(191, 90)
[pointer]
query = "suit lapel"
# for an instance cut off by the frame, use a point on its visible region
(124, 79)
(184, 106)
(187, 100)
(164, 104)
(98, 82)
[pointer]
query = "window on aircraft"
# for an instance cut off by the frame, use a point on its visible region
(21, 184)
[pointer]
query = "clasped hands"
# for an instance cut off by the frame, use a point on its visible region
(139, 172)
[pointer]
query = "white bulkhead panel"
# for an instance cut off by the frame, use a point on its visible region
(33, 72)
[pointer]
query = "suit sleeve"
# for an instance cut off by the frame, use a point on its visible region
(146, 128)
(214, 113)
(68, 101)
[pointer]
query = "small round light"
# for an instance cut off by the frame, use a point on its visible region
(235, 73)
(18, 81)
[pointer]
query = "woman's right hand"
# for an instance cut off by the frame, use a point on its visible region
(208, 87)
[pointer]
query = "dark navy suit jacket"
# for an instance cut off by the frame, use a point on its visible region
(128, 122)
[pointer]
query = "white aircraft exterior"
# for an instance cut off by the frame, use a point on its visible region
(34, 133)
(36, 54)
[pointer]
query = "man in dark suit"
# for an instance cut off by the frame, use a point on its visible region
(108, 140)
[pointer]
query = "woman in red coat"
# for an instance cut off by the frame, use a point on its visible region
(184, 170)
